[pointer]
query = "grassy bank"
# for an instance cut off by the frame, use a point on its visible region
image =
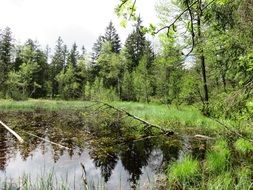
(226, 162)
(158, 114)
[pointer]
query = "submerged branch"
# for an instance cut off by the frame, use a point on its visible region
(12, 132)
(46, 140)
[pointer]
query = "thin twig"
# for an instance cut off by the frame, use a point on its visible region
(45, 140)
(176, 19)
(230, 130)
(132, 10)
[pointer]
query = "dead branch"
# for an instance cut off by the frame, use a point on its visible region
(12, 132)
(84, 175)
(57, 144)
(139, 119)
(203, 137)
(192, 29)
(230, 130)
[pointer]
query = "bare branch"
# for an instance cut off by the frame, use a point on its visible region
(123, 3)
(176, 19)
(208, 4)
(132, 10)
(192, 29)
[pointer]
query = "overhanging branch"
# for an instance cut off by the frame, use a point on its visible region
(176, 19)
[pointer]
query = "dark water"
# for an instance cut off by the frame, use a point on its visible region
(108, 163)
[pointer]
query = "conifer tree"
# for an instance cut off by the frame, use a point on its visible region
(135, 46)
(57, 64)
(112, 37)
(73, 56)
(6, 47)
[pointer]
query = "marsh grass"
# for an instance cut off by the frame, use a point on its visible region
(176, 117)
(244, 178)
(223, 181)
(243, 146)
(183, 173)
(32, 104)
(49, 181)
(217, 159)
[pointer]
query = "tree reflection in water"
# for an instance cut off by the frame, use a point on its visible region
(106, 151)
(135, 157)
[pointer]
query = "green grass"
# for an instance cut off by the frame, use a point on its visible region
(217, 158)
(10, 105)
(243, 146)
(169, 116)
(183, 172)
(223, 181)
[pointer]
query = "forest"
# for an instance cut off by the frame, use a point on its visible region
(216, 75)
(195, 79)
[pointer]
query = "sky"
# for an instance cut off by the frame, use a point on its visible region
(80, 21)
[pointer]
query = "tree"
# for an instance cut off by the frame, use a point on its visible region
(128, 93)
(142, 81)
(193, 14)
(21, 84)
(112, 37)
(168, 70)
(57, 65)
(6, 47)
(69, 88)
(73, 56)
(135, 46)
(109, 66)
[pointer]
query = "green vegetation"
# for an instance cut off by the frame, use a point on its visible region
(243, 146)
(218, 157)
(197, 83)
(163, 115)
(183, 172)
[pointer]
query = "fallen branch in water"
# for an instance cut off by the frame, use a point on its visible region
(57, 144)
(138, 119)
(12, 132)
(84, 175)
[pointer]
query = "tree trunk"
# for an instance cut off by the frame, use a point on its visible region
(202, 62)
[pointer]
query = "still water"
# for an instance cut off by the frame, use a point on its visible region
(110, 165)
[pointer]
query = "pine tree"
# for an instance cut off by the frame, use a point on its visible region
(142, 81)
(57, 64)
(128, 93)
(6, 47)
(135, 46)
(97, 48)
(112, 37)
(73, 56)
